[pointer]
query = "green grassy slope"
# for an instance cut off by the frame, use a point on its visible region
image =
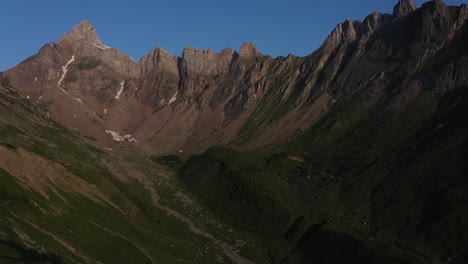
(121, 226)
(371, 185)
(381, 178)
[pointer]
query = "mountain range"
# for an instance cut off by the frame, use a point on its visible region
(353, 154)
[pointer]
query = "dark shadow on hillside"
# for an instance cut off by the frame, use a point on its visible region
(20, 254)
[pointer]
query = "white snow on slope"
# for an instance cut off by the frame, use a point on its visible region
(122, 84)
(65, 70)
(117, 137)
(102, 46)
(174, 98)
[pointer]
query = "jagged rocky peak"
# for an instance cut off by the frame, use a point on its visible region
(83, 41)
(194, 53)
(344, 32)
(463, 10)
(228, 52)
(161, 54)
(248, 50)
(462, 15)
(403, 8)
(439, 7)
(349, 30)
(373, 21)
(82, 32)
(206, 61)
(159, 58)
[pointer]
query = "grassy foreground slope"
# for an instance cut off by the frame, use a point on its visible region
(382, 176)
(60, 203)
(365, 185)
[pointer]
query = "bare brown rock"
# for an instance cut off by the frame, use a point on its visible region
(403, 8)
(243, 99)
(83, 41)
(248, 50)
(207, 62)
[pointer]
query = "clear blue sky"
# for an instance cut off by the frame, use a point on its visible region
(277, 27)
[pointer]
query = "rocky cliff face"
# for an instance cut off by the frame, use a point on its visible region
(83, 41)
(403, 8)
(244, 98)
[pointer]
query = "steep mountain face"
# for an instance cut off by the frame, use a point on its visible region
(404, 8)
(168, 103)
(189, 103)
(353, 154)
(380, 177)
(63, 200)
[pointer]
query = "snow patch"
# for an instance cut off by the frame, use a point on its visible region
(117, 137)
(122, 84)
(65, 70)
(40, 97)
(35, 79)
(105, 111)
(102, 46)
(174, 98)
(27, 96)
(294, 158)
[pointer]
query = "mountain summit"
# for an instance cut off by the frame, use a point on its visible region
(226, 88)
(404, 7)
(83, 32)
(248, 50)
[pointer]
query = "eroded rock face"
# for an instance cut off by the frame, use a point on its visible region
(403, 8)
(248, 50)
(84, 34)
(344, 32)
(158, 58)
(245, 99)
(83, 41)
(207, 62)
